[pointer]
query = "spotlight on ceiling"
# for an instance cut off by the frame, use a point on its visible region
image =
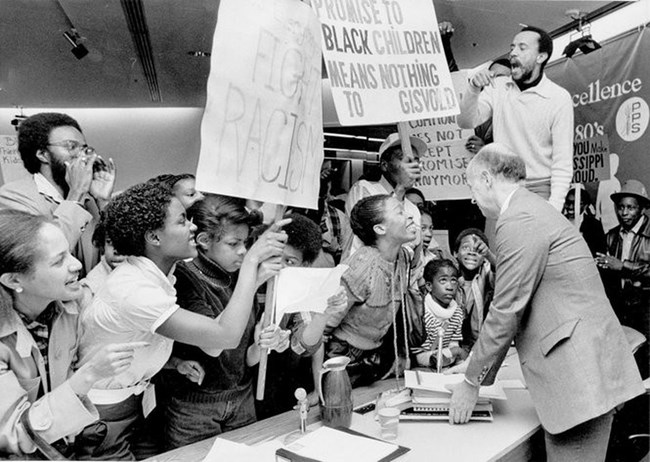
(79, 50)
(584, 42)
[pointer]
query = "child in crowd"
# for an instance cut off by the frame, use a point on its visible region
(204, 395)
(443, 317)
(476, 282)
(183, 186)
(110, 259)
(298, 366)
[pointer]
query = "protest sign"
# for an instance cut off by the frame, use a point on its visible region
(262, 130)
(11, 165)
(385, 60)
(591, 159)
(444, 165)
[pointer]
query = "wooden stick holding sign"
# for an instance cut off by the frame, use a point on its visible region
(269, 310)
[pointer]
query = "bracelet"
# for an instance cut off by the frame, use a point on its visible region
(469, 382)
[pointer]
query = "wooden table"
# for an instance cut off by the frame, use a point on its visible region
(515, 434)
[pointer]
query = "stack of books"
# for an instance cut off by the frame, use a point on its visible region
(430, 398)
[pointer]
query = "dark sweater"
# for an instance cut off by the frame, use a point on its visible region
(205, 288)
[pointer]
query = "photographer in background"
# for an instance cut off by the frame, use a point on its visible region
(70, 183)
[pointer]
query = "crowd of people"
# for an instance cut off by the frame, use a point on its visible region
(131, 322)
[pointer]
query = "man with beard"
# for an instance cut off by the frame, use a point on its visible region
(530, 114)
(63, 186)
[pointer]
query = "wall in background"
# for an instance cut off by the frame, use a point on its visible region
(143, 142)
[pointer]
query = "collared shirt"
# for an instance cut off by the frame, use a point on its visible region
(136, 299)
(627, 237)
(47, 189)
(537, 124)
(40, 330)
(506, 203)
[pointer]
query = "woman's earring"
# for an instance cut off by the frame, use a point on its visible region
(19, 290)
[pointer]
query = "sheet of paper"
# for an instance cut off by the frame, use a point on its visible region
(329, 445)
(306, 289)
(223, 450)
(433, 381)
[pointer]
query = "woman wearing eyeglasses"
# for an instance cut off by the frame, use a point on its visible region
(69, 182)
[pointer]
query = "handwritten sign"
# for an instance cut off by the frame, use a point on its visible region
(11, 165)
(262, 130)
(385, 60)
(591, 159)
(443, 167)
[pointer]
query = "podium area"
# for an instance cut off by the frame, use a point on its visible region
(515, 434)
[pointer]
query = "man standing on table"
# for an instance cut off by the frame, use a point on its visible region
(530, 114)
(548, 297)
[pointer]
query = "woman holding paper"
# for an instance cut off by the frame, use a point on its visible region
(375, 282)
(206, 395)
(138, 303)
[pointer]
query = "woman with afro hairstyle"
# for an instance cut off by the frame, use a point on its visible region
(138, 303)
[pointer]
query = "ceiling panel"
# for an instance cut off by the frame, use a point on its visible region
(37, 68)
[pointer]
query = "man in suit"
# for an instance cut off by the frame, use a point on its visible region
(549, 298)
(63, 186)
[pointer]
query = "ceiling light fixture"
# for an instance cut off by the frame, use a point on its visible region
(78, 49)
(584, 42)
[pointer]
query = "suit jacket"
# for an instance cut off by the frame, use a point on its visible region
(77, 223)
(549, 298)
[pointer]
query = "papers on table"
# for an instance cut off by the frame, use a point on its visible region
(329, 445)
(434, 382)
(306, 289)
(223, 450)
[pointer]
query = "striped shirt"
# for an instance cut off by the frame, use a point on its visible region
(452, 328)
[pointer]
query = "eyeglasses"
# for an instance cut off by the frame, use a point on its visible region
(74, 147)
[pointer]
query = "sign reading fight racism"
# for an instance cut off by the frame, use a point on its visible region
(11, 165)
(591, 159)
(262, 130)
(443, 167)
(385, 60)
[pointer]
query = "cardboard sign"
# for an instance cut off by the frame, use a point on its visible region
(262, 130)
(443, 167)
(385, 61)
(11, 165)
(591, 159)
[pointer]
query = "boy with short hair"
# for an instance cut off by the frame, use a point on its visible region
(95, 279)
(443, 317)
(476, 263)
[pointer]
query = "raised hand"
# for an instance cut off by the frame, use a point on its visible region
(103, 179)
(79, 176)
(269, 244)
(482, 79)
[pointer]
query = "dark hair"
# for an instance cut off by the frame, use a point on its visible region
(499, 160)
(469, 232)
(505, 62)
(391, 153)
(99, 234)
(432, 268)
(365, 214)
(544, 43)
(132, 213)
(170, 179)
(305, 236)
(214, 212)
(34, 134)
(417, 192)
(19, 238)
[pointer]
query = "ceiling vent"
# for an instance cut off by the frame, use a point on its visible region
(137, 23)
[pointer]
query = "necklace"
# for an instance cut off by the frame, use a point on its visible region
(211, 280)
